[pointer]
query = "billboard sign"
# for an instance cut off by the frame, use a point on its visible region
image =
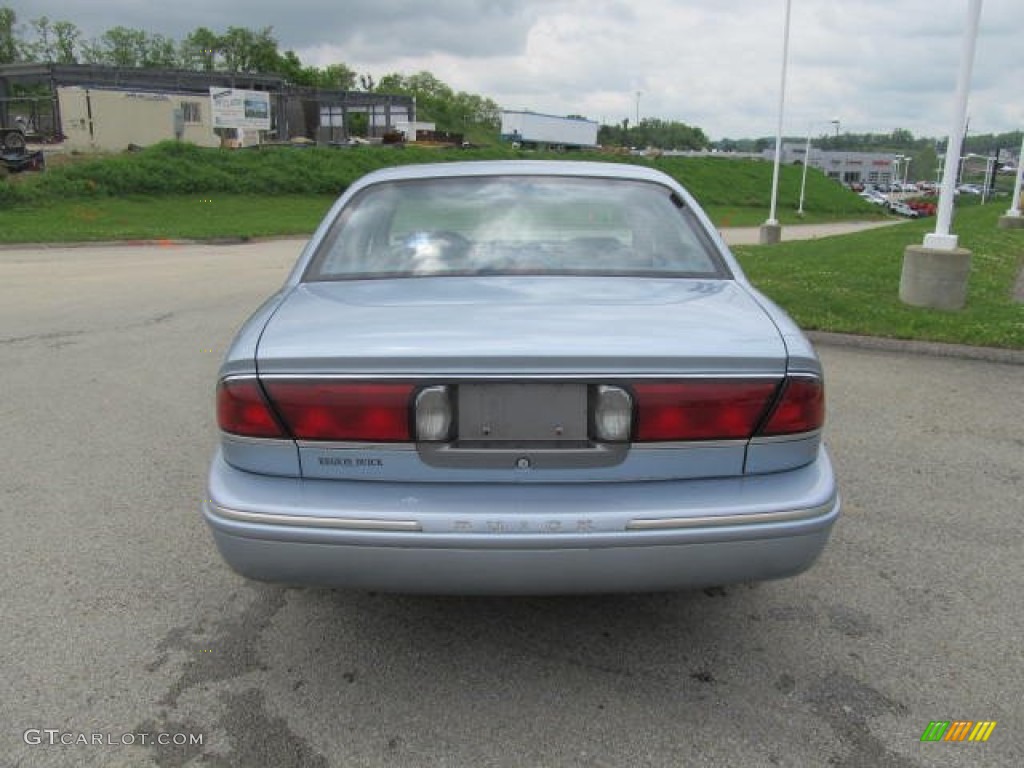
(234, 108)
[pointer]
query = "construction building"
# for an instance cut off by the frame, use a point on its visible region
(97, 108)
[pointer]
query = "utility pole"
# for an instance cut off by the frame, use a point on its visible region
(771, 230)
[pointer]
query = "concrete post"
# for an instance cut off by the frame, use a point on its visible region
(935, 278)
(770, 233)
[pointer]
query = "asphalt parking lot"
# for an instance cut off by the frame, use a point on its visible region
(121, 622)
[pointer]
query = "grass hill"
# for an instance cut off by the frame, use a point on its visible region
(173, 168)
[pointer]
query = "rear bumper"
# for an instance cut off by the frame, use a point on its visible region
(521, 538)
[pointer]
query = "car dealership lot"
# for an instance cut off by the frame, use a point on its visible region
(121, 620)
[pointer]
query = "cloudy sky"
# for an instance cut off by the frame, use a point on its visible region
(876, 65)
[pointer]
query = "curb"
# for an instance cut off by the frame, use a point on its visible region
(907, 346)
(242, 240)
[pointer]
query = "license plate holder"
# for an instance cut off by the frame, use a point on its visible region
(528, 412)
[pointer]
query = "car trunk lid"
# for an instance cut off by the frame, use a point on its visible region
(520, 326)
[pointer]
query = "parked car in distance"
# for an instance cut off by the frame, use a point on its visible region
(903, 209)
(874, 196)
(969, 189)
(519, 377)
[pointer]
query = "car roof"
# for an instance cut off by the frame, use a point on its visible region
(575, 168)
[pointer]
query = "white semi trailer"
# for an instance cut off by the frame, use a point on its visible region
(534, 128)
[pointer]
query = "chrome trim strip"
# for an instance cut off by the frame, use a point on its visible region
(469, 378)
(347, 523)
(789, 515)
(803, 375)
(329, 445)
(246, 440)
(680, 445)
(814, 434)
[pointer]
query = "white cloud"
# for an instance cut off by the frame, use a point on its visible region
(874, 64)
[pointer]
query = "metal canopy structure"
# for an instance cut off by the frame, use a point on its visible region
(298, 109)
(181, 80)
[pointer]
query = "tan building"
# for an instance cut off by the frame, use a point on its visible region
(108, 119)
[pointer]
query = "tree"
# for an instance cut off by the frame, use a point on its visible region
(124, 47)
(467, 109)
(41, 48)
(652, 132)
(117, 47)
(66, 41)
(199, 50)
(291, 68)
(337, 76)
(436, 102)
(8, 39)
(925, 162)
(247, 51)
(358, 124)
(903, 138)
(53, 43)
(433, 97)
(159, 52)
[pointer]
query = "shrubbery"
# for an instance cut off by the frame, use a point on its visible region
(175, 168)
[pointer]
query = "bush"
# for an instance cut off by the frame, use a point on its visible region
(178, 168)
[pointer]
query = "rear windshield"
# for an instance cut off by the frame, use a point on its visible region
(515, 225)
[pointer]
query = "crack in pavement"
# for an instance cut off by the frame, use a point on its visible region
(155, 320)
(257, 737)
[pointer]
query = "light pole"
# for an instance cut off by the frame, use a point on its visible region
(942, 239)
(807, 159)
(990, 166)
(935, 273)
(960, 172)
(1013, 218)
(771, 232)
(986, 180)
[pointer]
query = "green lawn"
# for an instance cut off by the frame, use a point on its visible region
(164, 217)
(850, 284)
(199, 217)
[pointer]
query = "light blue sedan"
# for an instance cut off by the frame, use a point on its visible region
(519, 378)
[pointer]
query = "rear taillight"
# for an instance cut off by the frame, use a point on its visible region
(715, 409)
(664, 411)
(243, 410)
(342, 411)
(800, 408)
